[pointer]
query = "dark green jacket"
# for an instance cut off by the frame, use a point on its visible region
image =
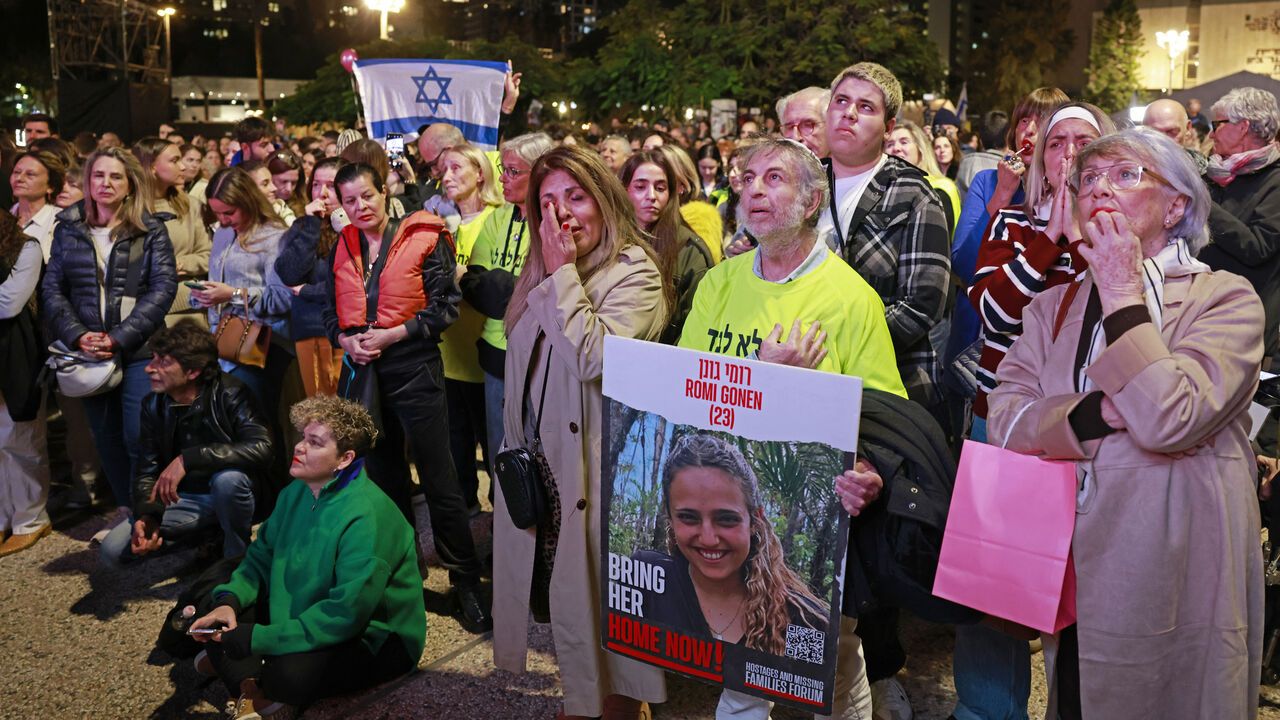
(334, 567)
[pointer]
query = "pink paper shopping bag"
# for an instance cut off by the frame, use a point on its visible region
(1006, 549)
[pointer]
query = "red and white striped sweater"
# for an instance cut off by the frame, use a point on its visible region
(1016, 262)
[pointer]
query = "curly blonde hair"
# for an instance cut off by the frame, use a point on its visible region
(771, 585)
(348, 421)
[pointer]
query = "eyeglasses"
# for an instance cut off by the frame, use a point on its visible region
(804, 127)
(1121, 176)
(508, 171)
(1218, 123)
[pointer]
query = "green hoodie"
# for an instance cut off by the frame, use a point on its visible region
(333, 567)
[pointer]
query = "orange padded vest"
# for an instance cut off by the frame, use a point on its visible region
(400, 291)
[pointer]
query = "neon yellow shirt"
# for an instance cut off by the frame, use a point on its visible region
(734, 311)
(502, 243)
(458, 343)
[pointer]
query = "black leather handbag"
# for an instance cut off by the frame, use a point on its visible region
(524, 475)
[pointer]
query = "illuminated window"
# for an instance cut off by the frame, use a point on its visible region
(219, 5)
(348, 10)
(273, 7)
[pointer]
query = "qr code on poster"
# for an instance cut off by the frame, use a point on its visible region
(805, 643)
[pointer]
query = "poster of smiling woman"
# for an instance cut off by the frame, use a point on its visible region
(724, 538)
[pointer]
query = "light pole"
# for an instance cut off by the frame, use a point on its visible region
(167, 13)
(385, 6)
(1175, 42)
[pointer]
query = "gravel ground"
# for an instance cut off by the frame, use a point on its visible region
(78, 642)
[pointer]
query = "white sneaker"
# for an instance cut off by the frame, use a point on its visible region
(889, 700)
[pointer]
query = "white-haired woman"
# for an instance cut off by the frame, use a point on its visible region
(1142, 373)
(1244, 185)
(496, 260)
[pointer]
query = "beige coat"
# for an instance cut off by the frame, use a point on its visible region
(1167, 550)
(625, 300)
(191, 245)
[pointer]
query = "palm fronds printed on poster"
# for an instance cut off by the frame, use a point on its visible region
(795, 480)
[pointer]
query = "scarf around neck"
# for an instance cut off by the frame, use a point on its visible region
(1224, 170)
(1174, 260)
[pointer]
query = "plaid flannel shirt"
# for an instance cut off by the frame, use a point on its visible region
(899, 243)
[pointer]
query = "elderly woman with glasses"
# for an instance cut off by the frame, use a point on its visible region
(1244, 185)
(1142, 372)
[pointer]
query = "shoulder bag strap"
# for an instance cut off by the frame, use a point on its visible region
(1064, 306)
(542, 400)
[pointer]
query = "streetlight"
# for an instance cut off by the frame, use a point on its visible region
(1175, 42)
(167, 13)
(385, 6)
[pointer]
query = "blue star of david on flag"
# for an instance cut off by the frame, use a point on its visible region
(464, 93)
(432, 102)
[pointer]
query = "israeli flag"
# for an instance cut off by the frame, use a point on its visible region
(399, 96)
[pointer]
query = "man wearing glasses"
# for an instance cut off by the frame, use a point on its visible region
(1244, 184)
(801, 115)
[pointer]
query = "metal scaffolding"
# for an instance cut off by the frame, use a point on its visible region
(96, 39)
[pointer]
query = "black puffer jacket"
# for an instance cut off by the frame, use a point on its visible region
(70, 288)
(224, 429)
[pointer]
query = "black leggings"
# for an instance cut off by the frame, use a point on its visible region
(412, 397)
(467, 427)
(300, 679)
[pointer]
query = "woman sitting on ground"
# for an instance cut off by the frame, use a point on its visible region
(328, 599)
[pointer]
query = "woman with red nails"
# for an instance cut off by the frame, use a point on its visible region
(1141, 373)
(589, 274)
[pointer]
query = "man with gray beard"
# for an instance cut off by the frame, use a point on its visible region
(836, 321)
(793, 301)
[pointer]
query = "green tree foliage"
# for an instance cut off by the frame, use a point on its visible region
(330, 97)
(1114, 56)
(755, 52)
(1029, 39)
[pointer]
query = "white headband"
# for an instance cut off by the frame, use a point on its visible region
(1074, 111)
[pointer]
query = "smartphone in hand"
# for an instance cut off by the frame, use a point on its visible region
(195, 285)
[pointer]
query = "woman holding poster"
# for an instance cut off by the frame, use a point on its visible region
(589, 274)
(726, 576)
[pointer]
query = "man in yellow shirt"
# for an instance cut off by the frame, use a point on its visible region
(833, 320)
(793, 285)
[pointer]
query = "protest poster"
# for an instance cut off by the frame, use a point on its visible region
(724, 539)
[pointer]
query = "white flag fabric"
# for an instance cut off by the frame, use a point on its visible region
(962, 107)
(399, 96)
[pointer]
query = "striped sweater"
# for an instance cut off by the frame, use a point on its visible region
(1016, 262)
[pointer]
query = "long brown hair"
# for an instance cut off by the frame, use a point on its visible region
(236, 188)
(770, 585)
(148, 150)
(12, 240)
(134, 206)
(664, 236)
(328, 236)
(282, 161)
(619, 219)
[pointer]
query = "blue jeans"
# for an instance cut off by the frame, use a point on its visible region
(992, 669)
(114, 419)
(228, 504)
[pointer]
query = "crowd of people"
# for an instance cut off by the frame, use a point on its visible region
(1044, 281)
